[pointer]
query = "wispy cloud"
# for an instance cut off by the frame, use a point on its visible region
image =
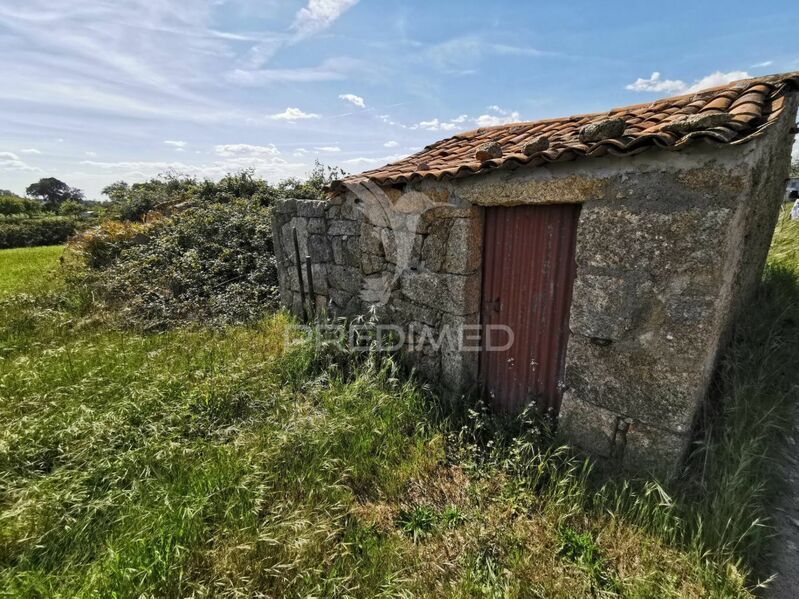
(319, 15)
(328, 149)
(656, 83)
(331, 69)
(363, 161)
(293, 114)
(463, 55)
(353, 99)
(30, 151)
(391, 144)
(762, 65)
(230, 150)
(175, 143)
(310, 20)
(11, 162)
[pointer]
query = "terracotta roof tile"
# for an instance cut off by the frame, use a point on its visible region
(753, 104)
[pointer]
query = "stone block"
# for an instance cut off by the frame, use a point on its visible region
(588, 426)
(285, 206)
(317, 225)
(343, 227)
(344, 278)
(607, 307)
(463, 252)
(346, 251)
(404, 312)
(371, 264)
(630, 238)
(455, 294)
(344, 303)
(319, 249)
(376, 289)
(654, 450)
(372, 239)
(434, 246)
(311, 208)
(319, 272)
(351, 209)
(656, 384)
(623, 443)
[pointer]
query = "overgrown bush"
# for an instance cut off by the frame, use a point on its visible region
(171, 192)
(100, 246)
(186, 251)
(30, 232)
(208, 264)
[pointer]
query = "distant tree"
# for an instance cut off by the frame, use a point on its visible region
(314, 186)
(53, 192)
(71, 208)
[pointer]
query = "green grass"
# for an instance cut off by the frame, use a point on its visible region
(202, 462)
(29, 269)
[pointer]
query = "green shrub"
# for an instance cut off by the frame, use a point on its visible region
(211, 265)
(100, 246)
(32, 232)
(14, 205)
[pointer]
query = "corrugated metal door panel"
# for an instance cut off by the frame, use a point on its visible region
(528, 274)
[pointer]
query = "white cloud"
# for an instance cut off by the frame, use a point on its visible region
(293, 114)
(366, 161)
(437, 125)
(230, 150)
(390, 144)
(389, 121)
(718, 78)
(264, 165)
(11, 162)
(91, 154)
(319, 15)
(353, 99)
(492, 120)
(656, 84)
(30, 151)
(328, 149)
(176, 143)
(762, 65)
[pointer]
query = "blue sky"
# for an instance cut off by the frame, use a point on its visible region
(95, 91)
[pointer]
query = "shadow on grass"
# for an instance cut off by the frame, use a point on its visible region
(731, 479)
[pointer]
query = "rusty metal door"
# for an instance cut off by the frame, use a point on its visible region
(528, 273)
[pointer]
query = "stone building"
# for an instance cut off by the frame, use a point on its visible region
(612, 250)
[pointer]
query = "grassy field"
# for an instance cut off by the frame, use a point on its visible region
(29, 270)
(222, 463)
